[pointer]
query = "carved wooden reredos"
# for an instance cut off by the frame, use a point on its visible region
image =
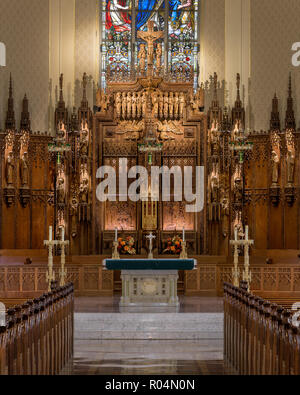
(251, 177)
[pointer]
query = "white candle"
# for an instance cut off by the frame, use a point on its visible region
(50, 233)
(183, 235)
(63, 234)
(235, 233)
(247, 232)
(116, 234)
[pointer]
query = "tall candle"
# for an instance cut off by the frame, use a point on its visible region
(183, 235)
(247, 232)
(50, 233)
(116, 234)
(235, 233)
(63, 234)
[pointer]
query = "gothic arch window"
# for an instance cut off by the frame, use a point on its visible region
(122, 19)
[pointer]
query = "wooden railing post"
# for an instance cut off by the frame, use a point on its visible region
(38, 338)
(3, 351)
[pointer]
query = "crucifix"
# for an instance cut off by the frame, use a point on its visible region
(246, 243)
(150, 36)
(150, 237)
(63, 243)
(50, 275)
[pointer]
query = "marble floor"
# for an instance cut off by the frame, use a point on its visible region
(110, 304)
(202, 356)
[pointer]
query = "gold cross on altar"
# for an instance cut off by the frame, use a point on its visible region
(150, 36)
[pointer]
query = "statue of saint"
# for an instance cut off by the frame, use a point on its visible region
(84, 143)
(161, 105)
(144, 104)
(181, 104)
(118, 105)
(214, 189)
(61, 191)
(275, 168)
(24, 170)
(139, 104)
(171, 105)
(142, 58)
(133, 105)
(176, 105)
(155, 104)
(166, 105)
(84, 191)
(238, 190)
(158, 56)
(124, 105)
(290, 167)
(129, 103)
(9, 169)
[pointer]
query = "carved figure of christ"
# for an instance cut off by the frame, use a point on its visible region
(150, 37)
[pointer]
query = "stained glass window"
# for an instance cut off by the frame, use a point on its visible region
(122, 19)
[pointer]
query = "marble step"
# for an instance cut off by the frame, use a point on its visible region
(168, 326)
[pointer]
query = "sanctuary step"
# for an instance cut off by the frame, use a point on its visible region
(156, 326)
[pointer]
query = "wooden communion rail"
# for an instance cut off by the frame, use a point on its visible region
(38, 336)
(259, 337)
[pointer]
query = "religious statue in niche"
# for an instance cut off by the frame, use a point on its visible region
(129, 105)
(133, 102)
(275, 168)
(84, 142)
(102, 100)
(61, 190)
(214, 139)
(142, 58)
(73, 215)
(9, 170)
(176, 105)
(118, 103)
(238, 191)
(139, 105)
(225, 215)
(214, 186)
(158, 56)
(155, 104)
(24, 170)
(124, 105)
(171, 105)
(84, 191)
(290, 166)
(181, 104)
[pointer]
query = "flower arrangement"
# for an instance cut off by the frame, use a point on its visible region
(174, 245)
(126, 245)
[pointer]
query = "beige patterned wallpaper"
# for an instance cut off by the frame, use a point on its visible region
(86, 46)
(274, 28)
(212, 38)
(24, 28)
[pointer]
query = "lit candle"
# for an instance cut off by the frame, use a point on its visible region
(235, 233)
(247, 232)
(50, 233)
(116, 234)
(183, 235)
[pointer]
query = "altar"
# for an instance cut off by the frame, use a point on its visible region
(149, 283)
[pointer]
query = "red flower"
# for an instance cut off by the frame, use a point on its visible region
(111, 59)
(188, 59)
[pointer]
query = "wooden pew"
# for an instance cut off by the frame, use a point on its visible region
(38, 337)
(259, 336)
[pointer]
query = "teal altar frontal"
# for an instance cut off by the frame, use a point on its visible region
(149, 285)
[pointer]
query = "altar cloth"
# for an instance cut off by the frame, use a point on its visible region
(150, 264)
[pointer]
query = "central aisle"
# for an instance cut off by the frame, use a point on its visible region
(110, 343)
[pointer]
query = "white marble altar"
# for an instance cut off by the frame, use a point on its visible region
(149, 288)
